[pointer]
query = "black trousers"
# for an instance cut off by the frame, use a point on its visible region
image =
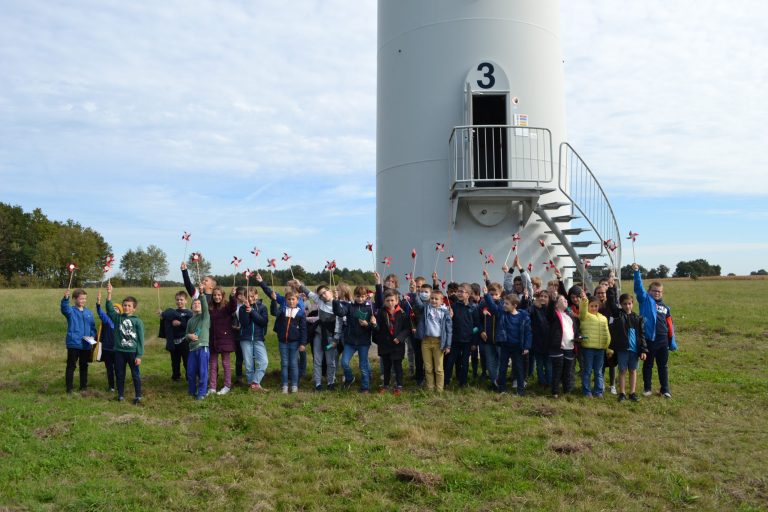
(122, 359)
(562, 372)
(238, 361)
(108, 356)
(179, 356)
(418, 359)
(389, 364)
(76, 356)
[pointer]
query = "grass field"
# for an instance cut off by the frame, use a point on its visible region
(705, 449)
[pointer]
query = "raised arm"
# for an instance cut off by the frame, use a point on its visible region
(640, 292)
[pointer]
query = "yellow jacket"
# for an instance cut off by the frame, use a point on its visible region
(593, 327)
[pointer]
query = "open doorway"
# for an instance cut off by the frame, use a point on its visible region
(490, 143)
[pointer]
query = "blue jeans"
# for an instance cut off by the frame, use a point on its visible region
(302, 364)
(255, 359)
(594, 359)
(197, 372)
(289, 363)
(122, 359)
(518, 366)
(491, 358)
(543, 368)
(365, 369)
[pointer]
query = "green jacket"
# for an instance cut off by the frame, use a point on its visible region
(594, 328)
(129, 331)
(199, 324)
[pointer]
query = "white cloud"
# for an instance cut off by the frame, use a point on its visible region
(667, 98)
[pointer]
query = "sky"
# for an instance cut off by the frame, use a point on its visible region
(253, 124)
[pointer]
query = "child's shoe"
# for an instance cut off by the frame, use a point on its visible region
(211, 391)
(348, 383)
(285, 390)
(319, 388)
(120, 399)
(137, 400)
(332, 386)
(613, 390)
(223, 391)
(622, 397)
(633, 397)
(647, 392)
(294, 389)
(397, 392)
(667, 395)
(383, 390)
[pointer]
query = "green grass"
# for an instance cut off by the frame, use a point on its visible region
(703, 450)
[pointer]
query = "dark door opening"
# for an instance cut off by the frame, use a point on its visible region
(490, 143)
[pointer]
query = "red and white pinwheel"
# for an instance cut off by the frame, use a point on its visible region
(156, 285)
(256, 251)
(272, 263)
(285, 257)
(186, 236)
(489, 259)
(387, 261)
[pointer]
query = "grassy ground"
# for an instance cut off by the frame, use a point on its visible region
(705, 449)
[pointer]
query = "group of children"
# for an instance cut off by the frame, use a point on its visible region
(441, 335)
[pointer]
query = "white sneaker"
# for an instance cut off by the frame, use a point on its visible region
(285, 390)
(294, 389)
(667, 395)
(211, 391)
(223, 391)
(613, 390)
(647, 393)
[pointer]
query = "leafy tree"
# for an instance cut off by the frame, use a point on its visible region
(627, 273)
(142, 266)
(663, 271)
(761, 272)
(696, 268)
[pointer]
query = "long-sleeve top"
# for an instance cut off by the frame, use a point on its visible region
(392, 325)
(540, 328)
(429, 318)
(290, 323)
(653, 310)
(354, 333)
(129, 331)
(253, 325)
(509, 287)
(489, 320)
(222, 333)
(559, 335)
(330, 324)
(280, 299)
(107, 331)
(79, 323)
(513, 329)
(174, 332)
(200, 325)
(466, 323)
(594, 328)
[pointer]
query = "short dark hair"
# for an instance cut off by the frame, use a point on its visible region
(131, 298)
(181, 293)
(78, 292)
(389, 292)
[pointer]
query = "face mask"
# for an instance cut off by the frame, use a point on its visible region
(424, 295)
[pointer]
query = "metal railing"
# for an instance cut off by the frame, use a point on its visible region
(588, 198)
(500, 156)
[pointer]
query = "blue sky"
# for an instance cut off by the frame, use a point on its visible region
(253, 123)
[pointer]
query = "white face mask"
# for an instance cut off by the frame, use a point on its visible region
(424, 295)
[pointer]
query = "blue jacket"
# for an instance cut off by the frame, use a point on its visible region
(79, 324)
(107, 331)
(289, 330)
(253, 325)
(649, 312)
(466, 323)
(488, 322)
(540, 329)
(512, 329)
(446, 324)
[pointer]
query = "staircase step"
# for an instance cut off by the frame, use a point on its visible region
(553, 206)
(571, 231)
(565, 218)
(578, 243)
